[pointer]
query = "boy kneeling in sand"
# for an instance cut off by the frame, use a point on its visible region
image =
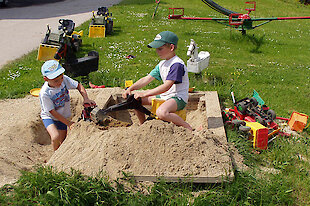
(55, 101)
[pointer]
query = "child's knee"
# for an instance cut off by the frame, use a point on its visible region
(161, 114)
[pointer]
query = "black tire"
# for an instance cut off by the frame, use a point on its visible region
(109, 27)
(238, 122)
(271, 114)
(244, 128)
(253, 101)
(242, 107)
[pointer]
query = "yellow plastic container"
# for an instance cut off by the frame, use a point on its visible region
(96, 31)
(298, 121)
(156, 102)
(46, 52)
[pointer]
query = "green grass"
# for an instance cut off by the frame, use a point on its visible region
(272, 59)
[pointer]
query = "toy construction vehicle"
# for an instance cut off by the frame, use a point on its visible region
(249, 117)
(101, 24)
(93, 113)
(53, 40)
(68, 44)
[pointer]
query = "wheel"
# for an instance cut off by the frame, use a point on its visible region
(242, 107)
(238, 122)
(109, 27)
(244, 128)
(271, 114)
(254, 101)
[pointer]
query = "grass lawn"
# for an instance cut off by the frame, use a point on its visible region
(272, 59)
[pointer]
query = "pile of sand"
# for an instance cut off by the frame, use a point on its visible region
(154, 148)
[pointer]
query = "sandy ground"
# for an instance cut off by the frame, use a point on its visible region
(155, 148)
(23, 28)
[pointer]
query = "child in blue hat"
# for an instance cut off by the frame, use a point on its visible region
(55, 101)
(173, 73)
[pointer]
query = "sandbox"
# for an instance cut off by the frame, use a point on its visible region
(153, 150)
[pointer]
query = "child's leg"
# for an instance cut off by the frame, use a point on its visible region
(57, 136)
(141, 115)
(166, 112)
(57, 132)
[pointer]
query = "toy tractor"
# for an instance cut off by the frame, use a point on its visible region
(101, 24)
(52, 40)
(67, 48)
(254, 119)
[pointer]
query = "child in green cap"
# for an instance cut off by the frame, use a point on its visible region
(173, 72)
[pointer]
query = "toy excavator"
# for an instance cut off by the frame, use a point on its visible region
(93, 113)
(101, 24)
(74, 66)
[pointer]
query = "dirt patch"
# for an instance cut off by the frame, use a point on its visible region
(154, 148)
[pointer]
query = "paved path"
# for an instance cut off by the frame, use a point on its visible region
(23, 28)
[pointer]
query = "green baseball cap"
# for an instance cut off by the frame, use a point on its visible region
(163, 38)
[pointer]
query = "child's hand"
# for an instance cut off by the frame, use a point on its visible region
(126, 93)
(89, 101)
(70, 125)
(139, 95)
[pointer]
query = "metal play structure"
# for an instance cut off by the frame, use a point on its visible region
(241, 22)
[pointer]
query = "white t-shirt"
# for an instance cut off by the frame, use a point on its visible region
(173, 69)
(56, 98)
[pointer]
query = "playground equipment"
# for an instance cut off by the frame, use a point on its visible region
(101, 24)
(241, 22)
(198, 61)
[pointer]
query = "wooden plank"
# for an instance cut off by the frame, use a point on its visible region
(193, 179)
(213, 109)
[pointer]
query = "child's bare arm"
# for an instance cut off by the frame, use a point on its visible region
(61, 118)
(138, 84)
(157, 90)
(84, 94)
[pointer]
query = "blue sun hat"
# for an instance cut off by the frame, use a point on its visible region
(163, 38)
(52, 69)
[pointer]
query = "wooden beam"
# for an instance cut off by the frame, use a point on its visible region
(196, 179)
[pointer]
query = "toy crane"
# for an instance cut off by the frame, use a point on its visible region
(198, 61)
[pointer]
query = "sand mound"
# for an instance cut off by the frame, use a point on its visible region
(154, 148)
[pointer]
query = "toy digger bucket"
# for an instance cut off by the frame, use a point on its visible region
(298, 121)
(96, 31)
(156, 102)
(46, 52)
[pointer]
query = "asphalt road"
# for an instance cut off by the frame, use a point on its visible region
(23, 22)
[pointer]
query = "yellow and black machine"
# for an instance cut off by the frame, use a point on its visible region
(101, 23)
(63, 45)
